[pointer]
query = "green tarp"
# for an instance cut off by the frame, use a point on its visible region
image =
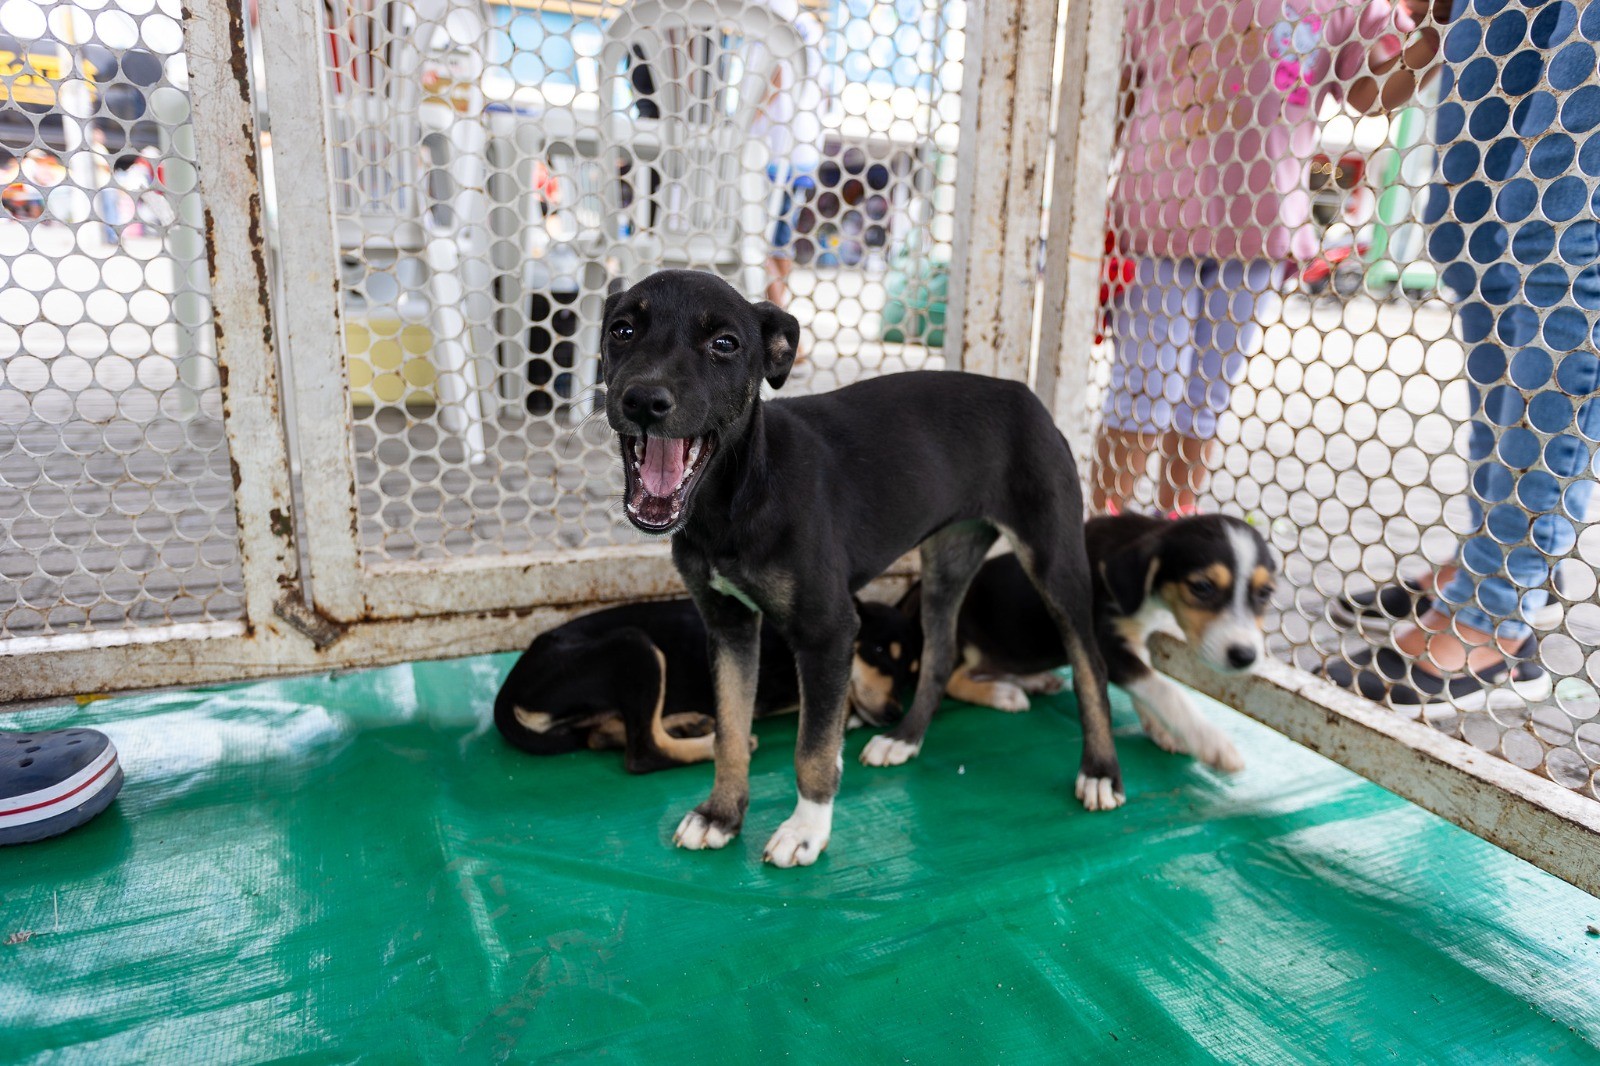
(354, 867)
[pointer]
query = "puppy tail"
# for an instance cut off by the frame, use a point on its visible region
(516, 712)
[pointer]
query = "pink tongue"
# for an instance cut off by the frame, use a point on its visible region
(660, 465)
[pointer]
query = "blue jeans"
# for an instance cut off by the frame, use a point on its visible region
(1536, 489)
(1533, 321)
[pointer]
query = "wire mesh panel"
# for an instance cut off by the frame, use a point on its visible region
(1350, 292)
(500, 168)
(116, 507)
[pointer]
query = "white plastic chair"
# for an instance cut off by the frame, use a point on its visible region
(710, 67)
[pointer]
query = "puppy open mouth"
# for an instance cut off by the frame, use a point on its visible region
(658, 474)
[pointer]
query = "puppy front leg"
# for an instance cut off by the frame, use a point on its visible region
(818, 761)
(1175, 725)
(735, 635)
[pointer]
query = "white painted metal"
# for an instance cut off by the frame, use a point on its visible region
(1529, 816)
(457, 605)
(1081, 146)
(398, 610)
(1005, 129)
(309, 331)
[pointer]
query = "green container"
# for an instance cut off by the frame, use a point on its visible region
(919, 290)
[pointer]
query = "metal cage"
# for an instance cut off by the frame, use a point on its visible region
(298, 332)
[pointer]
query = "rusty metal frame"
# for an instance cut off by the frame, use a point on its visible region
(236, 263)
(356, 617)
(1081, 152)
(279, 634)
(343, 590)
(1000, 184)
(1525, 814)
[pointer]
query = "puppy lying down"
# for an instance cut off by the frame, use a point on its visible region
(1207, 579)
(637, 677)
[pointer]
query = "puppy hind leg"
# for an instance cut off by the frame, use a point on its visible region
(1003, 694)
(609, 734)
(1058, 564)
(950, 558)
(689, 724)
(1045, 683)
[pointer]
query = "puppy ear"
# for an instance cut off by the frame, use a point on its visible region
(780, 337)
(910, 605)
(1129, 574)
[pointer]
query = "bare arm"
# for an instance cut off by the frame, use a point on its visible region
(1394, 77)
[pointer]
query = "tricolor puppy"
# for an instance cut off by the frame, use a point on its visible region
(1207, 579)
(781, 510)
(638, 677)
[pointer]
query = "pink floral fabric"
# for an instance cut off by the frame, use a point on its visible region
(1224, 121)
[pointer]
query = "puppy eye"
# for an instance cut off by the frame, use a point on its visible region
(1202, 588)
(622, 331)
(1265, 593)
(726, 344)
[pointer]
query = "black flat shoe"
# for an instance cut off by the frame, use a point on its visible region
(1384, 675)
(1382, 607)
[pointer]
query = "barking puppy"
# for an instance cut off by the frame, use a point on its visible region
(781, 510)
(1207, 579)
(638, 677)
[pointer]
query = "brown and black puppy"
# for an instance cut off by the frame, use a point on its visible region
(779, 511)
(638, 677)
(1208, 579)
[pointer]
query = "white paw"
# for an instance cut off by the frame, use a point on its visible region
(697, 832)
(1046, 684)
(1213, 748)
(1096, 794)
(884, 750)
(802, 837)
(1158, 734)
(1004, 696)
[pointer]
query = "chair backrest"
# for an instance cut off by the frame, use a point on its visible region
(682, 86)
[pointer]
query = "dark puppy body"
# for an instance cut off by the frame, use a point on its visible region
(1207, 579)
(781, 510)
(638, 677)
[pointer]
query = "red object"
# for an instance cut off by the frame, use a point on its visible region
(1115, 277)
(1319, 269)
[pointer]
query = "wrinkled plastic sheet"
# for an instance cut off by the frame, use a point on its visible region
(355, 866)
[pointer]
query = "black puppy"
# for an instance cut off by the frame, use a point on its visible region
(783, 509)
(1208, 579)
(638, 677)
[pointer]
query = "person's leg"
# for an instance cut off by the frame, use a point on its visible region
(1127, 434)
(1120, 459)
(1221, 304)
(780, 256)
(778, 270)
(1187, 471)
(1525, 503)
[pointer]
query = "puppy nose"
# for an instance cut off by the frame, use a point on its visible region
(645, 405)
(1240, 656)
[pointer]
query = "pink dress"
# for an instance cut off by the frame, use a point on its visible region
(1212, 197)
